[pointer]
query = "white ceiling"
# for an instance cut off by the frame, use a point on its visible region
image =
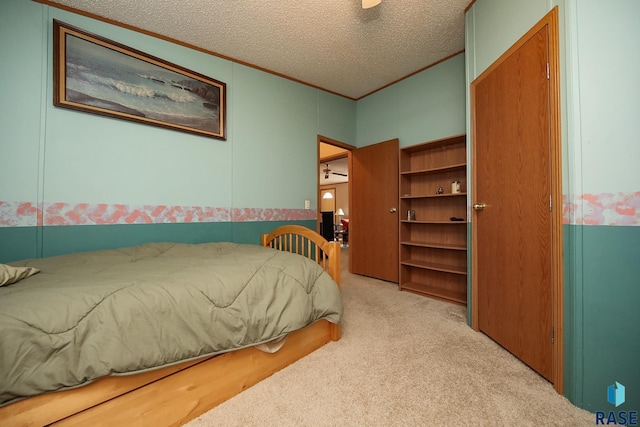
(334, 45)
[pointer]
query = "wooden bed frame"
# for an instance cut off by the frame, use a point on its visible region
(174, 395)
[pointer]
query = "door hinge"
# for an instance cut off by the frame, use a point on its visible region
(548, 72)
(550, 203)
(552, 335)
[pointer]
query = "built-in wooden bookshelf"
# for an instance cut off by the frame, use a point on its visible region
(433, 222)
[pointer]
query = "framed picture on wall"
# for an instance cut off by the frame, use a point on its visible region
(97, 75)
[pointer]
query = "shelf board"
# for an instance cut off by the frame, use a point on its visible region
(415, 221)
(434, 245)
(448, 168)
(435, 266)
(440, 143)
(425, 196)
(443, 294)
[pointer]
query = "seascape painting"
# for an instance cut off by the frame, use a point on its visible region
(100, 76)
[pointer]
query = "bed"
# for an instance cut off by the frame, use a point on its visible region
(187, 382)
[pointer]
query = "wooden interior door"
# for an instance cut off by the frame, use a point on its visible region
(373, 225)
(512, 203)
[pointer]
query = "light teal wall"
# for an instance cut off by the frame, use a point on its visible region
(602, 278)
(275, 142)
(22, 95)
(609, 92)
(600, 107)
(429, 105)
(499, 24)
(93, 159)
(337, 117)
(53, 155)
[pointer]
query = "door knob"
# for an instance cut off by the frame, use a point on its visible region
(392, 210)
(479, 206)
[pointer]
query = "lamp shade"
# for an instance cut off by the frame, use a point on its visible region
(340, 212)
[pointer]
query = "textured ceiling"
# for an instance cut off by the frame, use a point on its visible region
(330, 44)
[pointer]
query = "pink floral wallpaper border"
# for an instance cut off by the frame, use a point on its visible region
(602, 209)
(20, 214)
(26, 214)
(620, 209)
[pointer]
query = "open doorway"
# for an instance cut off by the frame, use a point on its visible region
(334, 167)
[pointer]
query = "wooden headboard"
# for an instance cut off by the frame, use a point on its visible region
(304, 241)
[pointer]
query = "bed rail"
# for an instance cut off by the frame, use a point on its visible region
(306, 242)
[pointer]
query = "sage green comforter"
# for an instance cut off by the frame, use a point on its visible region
(123, 311)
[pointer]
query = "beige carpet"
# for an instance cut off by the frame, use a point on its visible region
(403, 360)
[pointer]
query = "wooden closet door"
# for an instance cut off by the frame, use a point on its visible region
(512, 181)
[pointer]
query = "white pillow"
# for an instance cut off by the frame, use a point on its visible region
(10, 274)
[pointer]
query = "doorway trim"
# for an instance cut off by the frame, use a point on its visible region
(550, 20)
